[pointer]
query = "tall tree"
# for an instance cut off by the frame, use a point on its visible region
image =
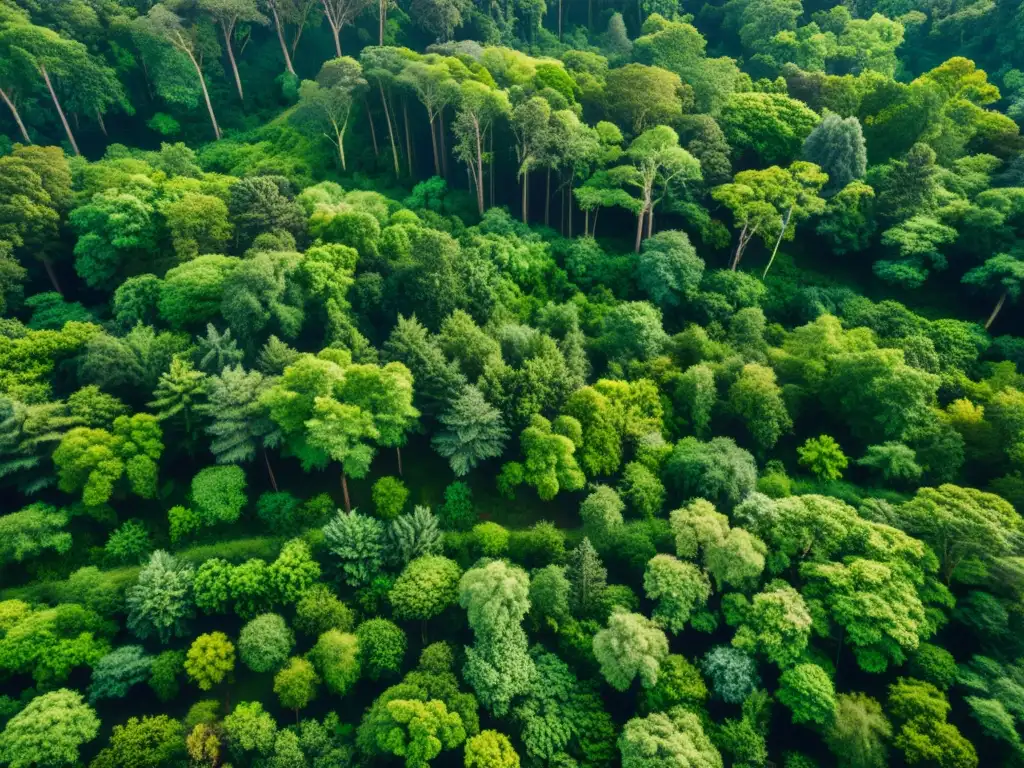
(279, 13)
(325, 104)
(436, 89)
(837, 146)
(227, 14)
(187, 38)
(339, 14)
(479, 106)
(530, 125)
(1002, 274)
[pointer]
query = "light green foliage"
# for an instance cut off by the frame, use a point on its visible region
(679, 682)
(218, 494)
(549, 593)
(588, 579)
(631, 646)
(210, 659)
(677, 588)
(382, 646)
(823, 456)
(336, 657)
(129, 543)
(756, 400)
(211, 585)
(858, 736)
(250, 588)
(116, 673)
(358, 542)
(776, 624)
(151, 740)
(49, 731)
(160, 603)
(601, 511)
(389, 497)
(674, 738)
(426, 586)
(491, 539)
(642, 490)
(319, 610)
(249, 729)
(895, 462)
(491, 749)
(808, 692)
(549, 464)
(771, 125)
(296, 684)
(697, 394)
(668, 269)
(920, 709)
(292, 572)
(28, 532)
(265, 643)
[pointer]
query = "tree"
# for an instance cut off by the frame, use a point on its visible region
(49, 731)
(358, 541)
(679, 682)
(239, 426)
(776, 623)
(382, 646)
(823, 456)
(771, 125)
(336, 657)
(165, 669)
(248, 728)
(265, 643)
(732, 672)
(756, 399)
(658, 166)
(678, 589)
(425, 588)
(143, 743)
(227, 14)
(389, 497)
(210, 659)
(479, 106)
(319, 610)
(808, 692)
(895, 462)
(836, 145)
(295, 685)
(28, 532)
(117, 672)
(961, 525)
(718, 470)
(639, 96)
(421, 730)
(631, 646)
(530, 123)
(341, 13)
(325, 104)
(436, 89)
(588, 578)
(292, 572)
(160, 602)
(920, 710)
(165, 25)
(668, 269)
(857, 738)
(415, 535)
(848, 222)
(601, 511)
(490, 749)
(549, 463)
(673, 738)
(1002, 274)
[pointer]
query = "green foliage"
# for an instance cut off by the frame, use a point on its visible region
(210, 658)
(49, 730)
(457, 513)
(160, 603)
(319, 610)
(632, 646)
(382, 646)
(296, 684)
(118, 671)
(808, 692)
(336, 657)
(426, 586)
(414, 535)
(733, 673)
(823, 456)
(265, 643)
(389, 497)
(673, 737)
(358, 542)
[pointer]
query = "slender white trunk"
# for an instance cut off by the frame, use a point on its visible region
(280, 39)
(17, 117)
(60, 111)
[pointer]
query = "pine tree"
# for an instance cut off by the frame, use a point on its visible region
(415, 535)
(218, 350)
(178, 392)
(587, 578)
(436, 377)
(28, 435)
(474, 431)
(275, 357)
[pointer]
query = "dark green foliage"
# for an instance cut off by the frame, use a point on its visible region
(382, 647)
(457, 512)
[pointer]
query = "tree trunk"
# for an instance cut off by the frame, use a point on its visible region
(228, 31)
(341, 145)
(775, 250)
(444, 147)
(270, 470)
(995, 312)
(336, 31)
(48, 265)
(559, 20)
(99, 119)
(650, 221)
(586, 221)
(398, 452)
(408, 141)
(547, 198)
(391, 132)
(17, 117)
(490, 141)
(433, 145)
(301, 28)
(280, 39)
(56, 103)
(597, 212)
(739, 249)
(526, 183)
(206, 96)
(639, 230)
(344, 490)
(479, 169)
(373, 130)
(383, 19)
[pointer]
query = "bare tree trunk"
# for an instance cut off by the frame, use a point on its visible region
(280, 39)
(48, 265)
(559, 20)
(383, 13)
(301, 27)
(586, 221)
(270, 470)
(99, 119)
(526, 184)
(17, 117)
(639, 231)
(336, 31)
(228, 31)
(569, 207)
(444, 146)
(206, 96)
(479, 169)
(785, 223)
(597, 212)
(408, 141)
(433, 145)
(391, 132)
(341, 147)
(995, 312)
(56, 103)
(490, 141)
(344, 490)
(373, 130)
(398, 452)
(650, 221)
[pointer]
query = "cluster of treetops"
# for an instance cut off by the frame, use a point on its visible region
(262, 400)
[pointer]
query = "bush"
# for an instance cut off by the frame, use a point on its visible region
(389, 497)
(218, 494)
(537, 546)
(320, 610)
(382, 647)
(457, 513)
(130, 543)
(490, 539)
(265, 643)
(279, 511)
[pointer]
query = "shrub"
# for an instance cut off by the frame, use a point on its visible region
(389, 497)
(457, 513)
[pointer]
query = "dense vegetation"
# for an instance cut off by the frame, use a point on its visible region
(515, 383)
